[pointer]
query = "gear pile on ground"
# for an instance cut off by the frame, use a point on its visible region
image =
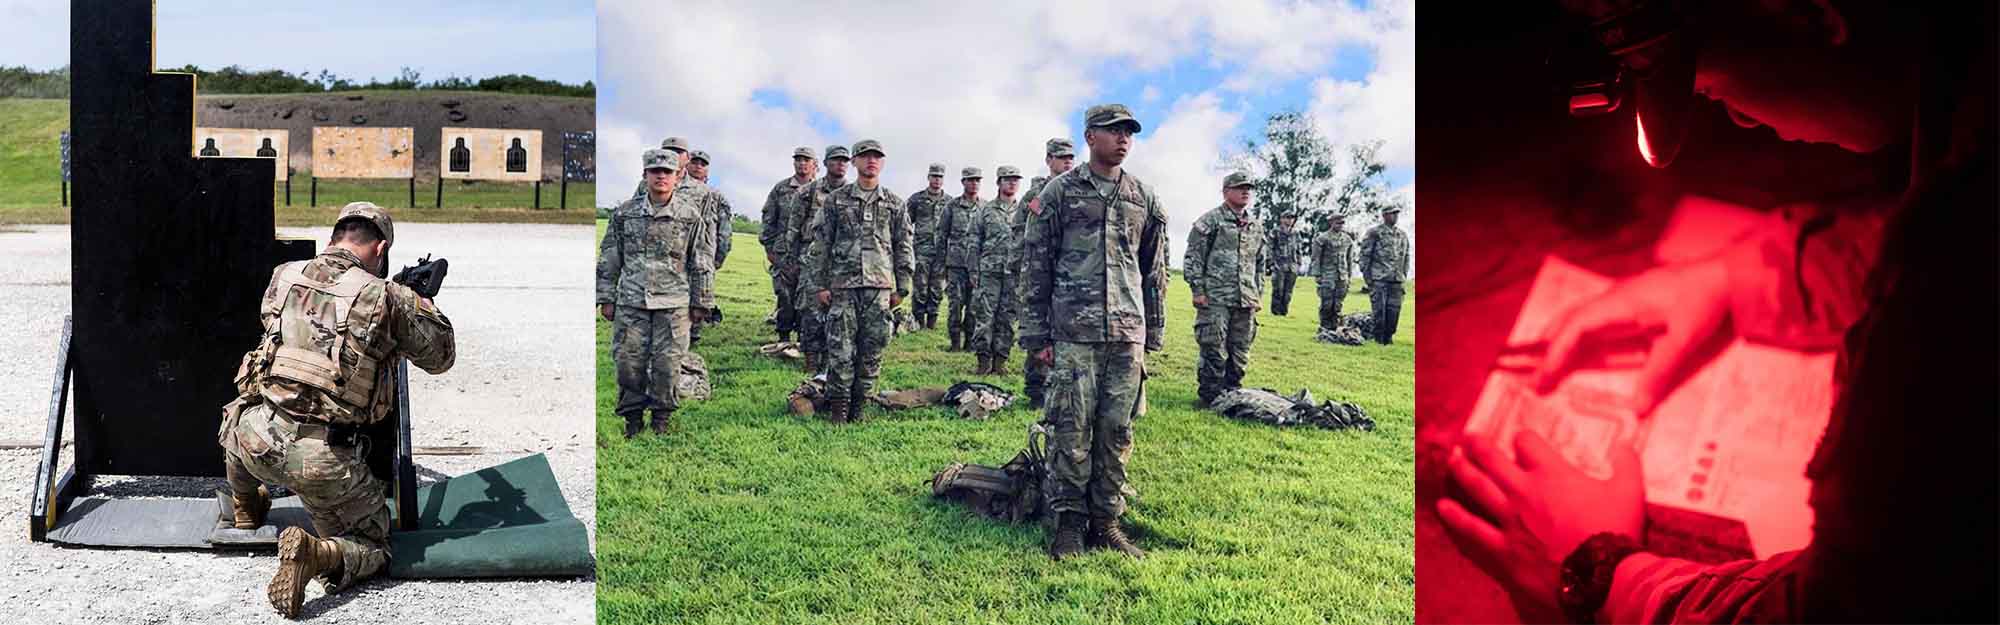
(808, 397)
(977, 400)
(1267, 406)
(787, 350)
(1011, 492)
(901, 322)
(694, 377)
(1351, 331)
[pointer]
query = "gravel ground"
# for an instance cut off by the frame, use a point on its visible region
(518, 296)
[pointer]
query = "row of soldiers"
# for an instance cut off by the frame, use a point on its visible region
(1079, 262)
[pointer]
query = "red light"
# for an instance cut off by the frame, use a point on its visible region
(1645, 151)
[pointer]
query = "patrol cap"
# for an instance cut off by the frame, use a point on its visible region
(374, 214)
(675, 143)
(1391, 208)
(1008, 171)
(1061, 147)
(836, 151)
(1237, 179)
(660, 158)
(937, 169)
(699, 155)
(865, 146)
(1110, 115)
(805, 151)
(969, 173)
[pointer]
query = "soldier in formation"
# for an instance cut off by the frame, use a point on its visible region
(956, 253)
(334, 332)
(1332, 265)
(800, 231)
(722, 214)
(1283, 252)
(1225, 256)
(778, 206)
(923, 208)
(996, 249)
(861, 265)
(1385, 261)
(654, 276)
(1058, 155)
(1095, 244)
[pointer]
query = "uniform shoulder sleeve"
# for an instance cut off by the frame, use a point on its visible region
(422, 332)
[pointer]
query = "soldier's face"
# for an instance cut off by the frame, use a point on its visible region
(698, 169)
(1237, 197)
(1109, 144)
(937, 183)
(1287, 223)
(659, 180)
(1060, 164)
(682, 154)
(836, 168)
(802, 166)
(1009, 185)
(870, 165)
(971, 186)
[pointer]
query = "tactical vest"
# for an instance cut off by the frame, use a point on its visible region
(326, 336)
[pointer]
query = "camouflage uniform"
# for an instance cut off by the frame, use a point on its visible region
(1333, 267)
(923, 208)
(995, 296)
(654, 264)
(800, 232)
(1034, 374)
(956, 253)
(861, 251)
(776, 215)
(722, 214)
(333, 334)
(1385, 261)
(1091, 252)
(1225, 250)
(1283, 253)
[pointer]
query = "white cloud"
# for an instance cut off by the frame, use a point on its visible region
(1383, 104)
(962, 84)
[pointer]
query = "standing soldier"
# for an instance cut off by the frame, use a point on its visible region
(801, 230)
(1224, 253)
(1058, 155)
(1385, 260)
(333, 333)
(857, 280)
(677, 145)
(1333, 267)
(1095, 244)
(996, 249)
(653, 280)
(1283, 252)
(923, 209)
(723, 214)
(777, 213)
(955, 252)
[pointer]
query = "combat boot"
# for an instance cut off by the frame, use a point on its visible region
(811, 364)
(661, 419)
(836, 410)
(784, 337)
(954, 341)
(997, 365)
(250, 510)
(856, 407)
(1105, 533)
(984, 366)
(633, 425)
(1068, 539)
(300, 558)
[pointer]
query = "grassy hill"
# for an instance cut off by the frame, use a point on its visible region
(31, 170)
(746, 514)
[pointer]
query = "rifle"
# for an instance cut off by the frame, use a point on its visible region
(426, 277)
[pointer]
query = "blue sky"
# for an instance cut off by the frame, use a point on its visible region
(356, 39)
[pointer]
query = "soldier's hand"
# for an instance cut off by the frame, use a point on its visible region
(1200, 301)
(1047, 356)
(605, 311)
(895, 299)
(1678, 307)
(825, 298)
(770, 258)
(697, 314)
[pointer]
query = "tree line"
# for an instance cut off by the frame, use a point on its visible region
(23, 82)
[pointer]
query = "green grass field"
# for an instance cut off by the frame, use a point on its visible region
(31, 184)
(746, 514)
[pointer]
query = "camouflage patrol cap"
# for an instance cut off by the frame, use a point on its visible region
(1391, 208)
(675, 143)
(1110, 115)
(865, 146)
(969, 173)
(699, 155)
(1008, 171)
(374, 214)
(1237, 179)
(660, 158)
(836, 151)
(805, 151)
(1061, 147)
(937, 169)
